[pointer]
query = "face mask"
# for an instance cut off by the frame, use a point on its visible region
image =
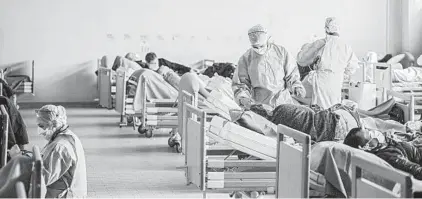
(260, 51)
(377, 135)
(46, 133)
(153, 67)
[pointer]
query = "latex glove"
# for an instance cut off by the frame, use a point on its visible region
(246, 102)
(15, 151)
(300, 92)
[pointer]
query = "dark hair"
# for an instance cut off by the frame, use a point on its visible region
(150, 56)
(353, 138)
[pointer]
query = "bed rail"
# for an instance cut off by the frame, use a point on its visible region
(36, 173)
(185, 98)
(5, 135)
(33, 78)
(292, 183)
(104, 87)
(409, 105)
(363, 188)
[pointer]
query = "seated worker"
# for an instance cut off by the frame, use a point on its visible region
(64, 168)
(405, 156)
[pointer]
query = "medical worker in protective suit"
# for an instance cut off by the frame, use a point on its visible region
(63, 160)
(333, 60)
(266, 73)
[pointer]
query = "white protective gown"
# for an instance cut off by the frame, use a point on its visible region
(267, 79)
(64, 167)
(336, 59)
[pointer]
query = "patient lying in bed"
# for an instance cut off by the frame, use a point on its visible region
(323, 125)
(405, 156)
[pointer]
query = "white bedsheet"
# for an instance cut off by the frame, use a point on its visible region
(411, 74)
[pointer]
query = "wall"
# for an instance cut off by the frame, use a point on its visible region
(395, 26)
(66, 37)
(412, 26)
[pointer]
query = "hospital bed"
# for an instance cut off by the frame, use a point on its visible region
(20, 80)
(193, 100)
(151, 115)
(294, 183)
(364, 188)
(106, 86)
(4, 117)
(410, 93)
(208, 170)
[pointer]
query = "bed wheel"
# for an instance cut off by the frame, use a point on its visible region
(129, 120)
(171, 142)
(142, 130)
(254, 194)
(178, 148)
(148, 133)
(238, 195)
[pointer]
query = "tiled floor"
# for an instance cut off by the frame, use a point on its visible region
(121, 162)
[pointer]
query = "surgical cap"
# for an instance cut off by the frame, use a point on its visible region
(52, 113)
(331, 25)
(257, 35)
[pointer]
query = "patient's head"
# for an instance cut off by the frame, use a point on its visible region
(152, 61)
(132, 57)
(361, 138)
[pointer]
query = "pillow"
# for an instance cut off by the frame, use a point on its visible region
(246, 120)
(105, 62)
(419, 61)
(254, 122)
(396, 59)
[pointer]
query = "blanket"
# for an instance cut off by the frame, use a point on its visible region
(156, 87)
(222, 85)
(411, 74)
(333, 160)
(321, 126)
